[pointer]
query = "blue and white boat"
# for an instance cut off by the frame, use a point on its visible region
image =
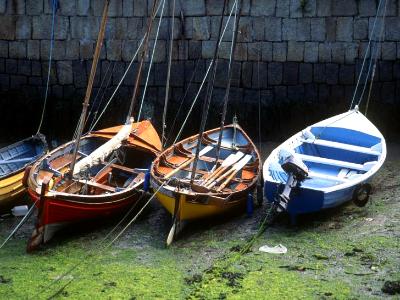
(334, 160)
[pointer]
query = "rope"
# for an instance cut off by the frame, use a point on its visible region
(151, 61)
(366, 54)
(119, 84)
(228, 84)
(204, 79)
(94, 104)
(207, 99)
(101, 245)
(24, 219)
(259, 99)
(182, 100)
(369, 92)
(53, 19)
(267, 221)
(374, 57)
(164, 126)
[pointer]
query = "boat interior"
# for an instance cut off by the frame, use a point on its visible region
(333, 155)
(124, 169)
(16, 156)
(233, 141)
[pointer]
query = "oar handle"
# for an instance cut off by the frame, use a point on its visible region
(216, 180)
(179, 168)
(217, 172)
(222, 186)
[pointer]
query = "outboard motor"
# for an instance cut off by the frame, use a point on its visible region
(297, 172)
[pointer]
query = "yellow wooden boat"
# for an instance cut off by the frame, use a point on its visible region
(13, 161)
(186, 200)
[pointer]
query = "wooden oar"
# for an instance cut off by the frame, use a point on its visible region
(229, 161)
(236, 168)
(186, 163)
(221, 177)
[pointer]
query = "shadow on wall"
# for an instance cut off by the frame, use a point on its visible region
(21, 114)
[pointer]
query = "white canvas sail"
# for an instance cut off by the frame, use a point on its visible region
(100, 154)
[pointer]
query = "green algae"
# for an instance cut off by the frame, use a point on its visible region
(346, 253)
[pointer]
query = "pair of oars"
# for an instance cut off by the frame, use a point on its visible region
(230, 174)
(229, 161)
(188, 162)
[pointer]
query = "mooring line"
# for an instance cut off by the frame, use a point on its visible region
(100, 247)
(53, 21)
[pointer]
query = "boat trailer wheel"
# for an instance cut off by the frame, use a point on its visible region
(361, 195)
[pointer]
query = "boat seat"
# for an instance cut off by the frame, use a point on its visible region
(98, 185)
(123, 168)
(62, 161)
(327, 177)
(13, 152)
(338, 163)
(21, 160)
(343, 146)
(134, 180)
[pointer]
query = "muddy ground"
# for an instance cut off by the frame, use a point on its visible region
(344, 253)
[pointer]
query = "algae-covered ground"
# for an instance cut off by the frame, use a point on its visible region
(345, 253)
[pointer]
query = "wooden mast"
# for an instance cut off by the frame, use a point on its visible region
(85, 103)
(207, 99)
(142, 58)
(228, 84)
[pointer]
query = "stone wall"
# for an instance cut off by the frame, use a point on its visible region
(304, 51)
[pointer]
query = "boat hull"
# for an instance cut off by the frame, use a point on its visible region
(187, 203)
(13, 161)
(11, 191)
(197, 207)
(307, 200)
(61, 201)
(56, 212)
(341, 154)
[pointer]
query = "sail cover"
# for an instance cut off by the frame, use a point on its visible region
(100, 154)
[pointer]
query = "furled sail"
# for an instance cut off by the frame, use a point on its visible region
(100, 154)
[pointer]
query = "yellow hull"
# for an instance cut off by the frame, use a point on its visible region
(192, 211)
(11, 188)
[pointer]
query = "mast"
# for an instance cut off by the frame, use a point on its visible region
(228, 84)
(85, 103)
(207, 99)
(164, 126)
(142, 58)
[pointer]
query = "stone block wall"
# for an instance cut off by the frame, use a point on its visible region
(293, 53)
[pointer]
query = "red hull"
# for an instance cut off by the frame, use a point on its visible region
(55, 213)
(62, 211)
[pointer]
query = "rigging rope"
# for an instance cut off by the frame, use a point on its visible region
(366, 54)
(228, 84)
(182, 100)
(100, 90)
(151, 62)
(53, 19)
(119, 84)
(259, 98)
(207, 98)
(164, 117)
(204, 79)
(374, 56)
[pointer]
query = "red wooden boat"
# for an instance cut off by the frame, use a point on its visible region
(106, 189)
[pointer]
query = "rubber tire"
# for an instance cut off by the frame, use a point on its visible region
(361, 194)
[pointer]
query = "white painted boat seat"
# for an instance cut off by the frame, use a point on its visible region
(338, 163)
(327, 177)
(343, 146)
